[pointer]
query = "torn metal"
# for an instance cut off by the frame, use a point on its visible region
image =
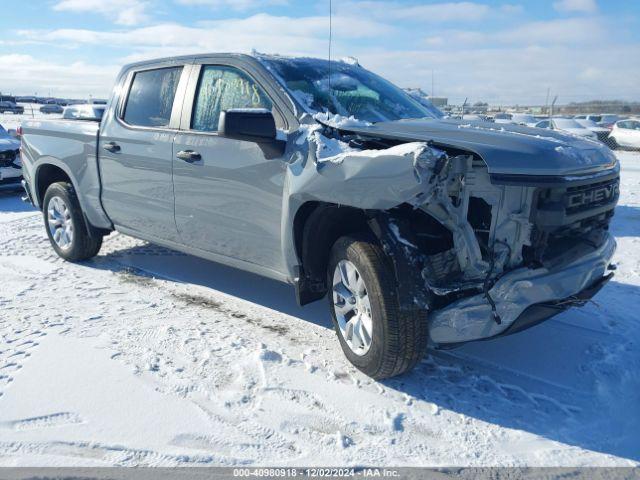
(462, 246)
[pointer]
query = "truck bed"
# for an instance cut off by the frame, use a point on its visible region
(70, 145)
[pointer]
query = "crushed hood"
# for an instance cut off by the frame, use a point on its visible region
(505, 148)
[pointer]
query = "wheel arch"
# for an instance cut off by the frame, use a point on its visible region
(316, 227)
(52, 171)
(47, 173)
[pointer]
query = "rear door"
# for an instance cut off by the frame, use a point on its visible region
(229, 201)
(136, 153)
(624, 133)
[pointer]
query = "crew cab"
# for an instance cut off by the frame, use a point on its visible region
(421, 232)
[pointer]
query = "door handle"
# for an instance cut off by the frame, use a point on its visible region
(112, 147)
(189, 156)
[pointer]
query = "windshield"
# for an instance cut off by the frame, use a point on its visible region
(344, 89)
(586, 123)
(566, 123)
(3, 132)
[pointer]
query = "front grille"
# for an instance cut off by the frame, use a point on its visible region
(588, 197)
(570, 215)
(570, 205)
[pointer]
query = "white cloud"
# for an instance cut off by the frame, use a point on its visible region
(240, 5)
(122, 12)
(433, 13)
(308, 35)
(515, 63)
(571, 31)
(24, 74)
(584, 6)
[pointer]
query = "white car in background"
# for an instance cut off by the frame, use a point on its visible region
(626, 134)
(525, 119)
(516, 119)
(601, 132)
(567, 125)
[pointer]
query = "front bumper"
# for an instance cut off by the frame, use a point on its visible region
(471, 318)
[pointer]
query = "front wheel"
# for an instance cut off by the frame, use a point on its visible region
(613, 144)
(377, 337)
(65, 224)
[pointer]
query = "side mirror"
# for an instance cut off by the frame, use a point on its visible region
(252, 125)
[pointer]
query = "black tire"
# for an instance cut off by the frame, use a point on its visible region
(82, 246)
(613, 145)
(399, 338)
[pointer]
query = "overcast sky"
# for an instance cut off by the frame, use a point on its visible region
(491, 50)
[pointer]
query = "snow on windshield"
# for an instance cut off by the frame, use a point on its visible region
(343, 88)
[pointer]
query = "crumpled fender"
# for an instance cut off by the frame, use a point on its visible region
(368, 179)
(365, 179)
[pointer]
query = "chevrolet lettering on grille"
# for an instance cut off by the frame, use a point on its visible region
(599, 195)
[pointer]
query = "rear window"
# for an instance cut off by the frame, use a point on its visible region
(151, 96)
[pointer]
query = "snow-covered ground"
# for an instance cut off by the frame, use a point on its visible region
(144, 356)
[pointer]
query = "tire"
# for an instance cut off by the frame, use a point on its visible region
(398, 338)
(67, 224)
(613, 145)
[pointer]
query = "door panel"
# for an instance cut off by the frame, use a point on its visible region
(136, 156)
(229, 201)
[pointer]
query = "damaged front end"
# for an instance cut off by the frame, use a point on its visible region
(486, 255)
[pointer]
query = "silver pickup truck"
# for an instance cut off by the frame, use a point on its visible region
(421, 231)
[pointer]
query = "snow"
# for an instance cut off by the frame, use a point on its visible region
(145, 356)
(339, 121)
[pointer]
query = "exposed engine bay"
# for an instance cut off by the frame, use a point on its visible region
(475, 250)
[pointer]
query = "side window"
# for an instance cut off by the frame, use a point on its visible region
(544, 124)
(151, 95)
(223, 88)
(623, 125)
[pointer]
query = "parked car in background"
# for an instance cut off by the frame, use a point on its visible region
(601, 132)
(476, 117)
(502, 118)
(26, 99)
(10, 107)
(84, 112)
(625, 134)
(567, 125)
(608, 120)
(100, 101)
(524, 119)
(417, 231)
(51, 108)
(10, 166)
(590, 116)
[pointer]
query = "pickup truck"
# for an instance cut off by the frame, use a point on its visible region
(421, 232)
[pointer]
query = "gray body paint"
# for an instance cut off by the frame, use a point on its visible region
(441, 168)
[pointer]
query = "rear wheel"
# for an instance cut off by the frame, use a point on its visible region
(376, 336)
(65, 224)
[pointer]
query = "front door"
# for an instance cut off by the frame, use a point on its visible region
(136, 153)
(228, 201)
